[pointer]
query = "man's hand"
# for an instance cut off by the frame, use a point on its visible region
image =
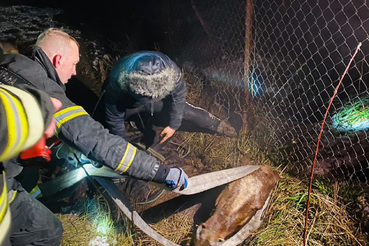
(166, 133)
(50, 130)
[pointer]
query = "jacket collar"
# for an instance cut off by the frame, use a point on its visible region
(38, 55)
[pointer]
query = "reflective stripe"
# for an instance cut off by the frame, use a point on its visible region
(3, 199)
(127, 159)
(11, 196)
(36, 192)
(67, 114)
(5, 226)
(33, 112)
(17, 124)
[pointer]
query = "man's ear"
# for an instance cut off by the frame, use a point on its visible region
(56, 60)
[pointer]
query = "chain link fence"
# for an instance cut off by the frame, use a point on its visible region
(269, 67)
(273, 67)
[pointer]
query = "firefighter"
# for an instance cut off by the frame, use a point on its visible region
(26, 115)
(48, 65)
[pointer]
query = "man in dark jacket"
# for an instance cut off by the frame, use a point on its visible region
(148, 84)
(48, 66)
(26, 115)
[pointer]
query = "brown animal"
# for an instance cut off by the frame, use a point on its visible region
(236, 205)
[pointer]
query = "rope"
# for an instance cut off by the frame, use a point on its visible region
(320, 135)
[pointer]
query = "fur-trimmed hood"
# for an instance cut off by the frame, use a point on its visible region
(157, 85)
(140, 80)
(145, 73)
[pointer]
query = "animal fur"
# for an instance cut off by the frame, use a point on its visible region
(236, 205)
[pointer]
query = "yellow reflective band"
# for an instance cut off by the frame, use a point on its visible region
(67, 114)
(127, 159)
(66, 110)
(36, 192)
(3, 199)
(31, 107)
(17, 124)
(13, 197)
(131, 159)
(59, 123)
(5, 225)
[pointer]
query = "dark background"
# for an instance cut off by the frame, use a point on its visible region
(131, 25)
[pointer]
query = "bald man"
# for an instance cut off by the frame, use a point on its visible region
(48, 66)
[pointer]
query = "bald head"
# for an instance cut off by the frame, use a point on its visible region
(54, 40)
(62, 50)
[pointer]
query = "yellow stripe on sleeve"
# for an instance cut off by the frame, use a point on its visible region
(17, 124)
(68, 114)
(127, 159)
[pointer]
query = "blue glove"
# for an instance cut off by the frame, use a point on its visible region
(176, 178)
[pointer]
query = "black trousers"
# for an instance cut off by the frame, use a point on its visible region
(195, 119)
(32, 222)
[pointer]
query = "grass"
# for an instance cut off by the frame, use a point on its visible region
(332, 215)
(330, 221)
(353, 117)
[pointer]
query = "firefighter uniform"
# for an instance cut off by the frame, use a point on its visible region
(79, 130)
(24, 115)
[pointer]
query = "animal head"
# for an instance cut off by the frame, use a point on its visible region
(236, 205)
(205, 237)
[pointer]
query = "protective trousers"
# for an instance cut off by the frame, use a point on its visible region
(32, 222)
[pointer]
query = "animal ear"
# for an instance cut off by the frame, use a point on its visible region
(199, 231)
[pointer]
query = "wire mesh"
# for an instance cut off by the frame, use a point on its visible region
(274, 76)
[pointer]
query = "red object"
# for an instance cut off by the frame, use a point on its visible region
(39, 152)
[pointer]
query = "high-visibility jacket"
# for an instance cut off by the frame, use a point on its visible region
(79, 130)
(24, 115)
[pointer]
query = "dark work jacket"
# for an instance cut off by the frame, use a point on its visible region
(77, 129)
(44, 104)
(119, 101)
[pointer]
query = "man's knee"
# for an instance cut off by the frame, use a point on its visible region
(33, 223)
(55, 232)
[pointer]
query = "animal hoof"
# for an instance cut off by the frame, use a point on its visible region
(226, 129)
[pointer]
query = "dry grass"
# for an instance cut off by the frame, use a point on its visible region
(331, 219)
(330, 222)
(92, 221)
(77, 229)
(215, 152)
(177, 228)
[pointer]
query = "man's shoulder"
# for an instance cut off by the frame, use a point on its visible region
(22, 62)
(33, 72)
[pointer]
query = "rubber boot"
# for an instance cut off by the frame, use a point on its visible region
(206, 120)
